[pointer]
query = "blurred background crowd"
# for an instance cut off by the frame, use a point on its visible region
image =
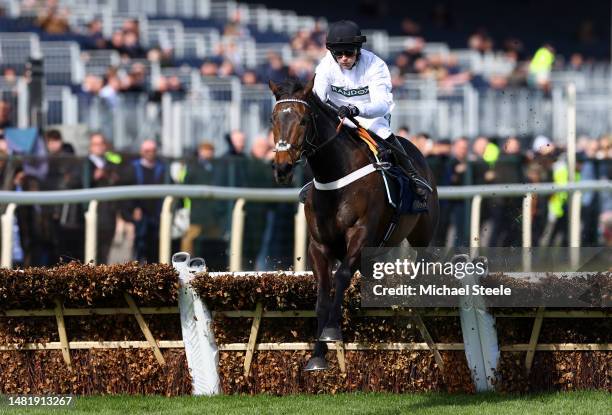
(126, 93)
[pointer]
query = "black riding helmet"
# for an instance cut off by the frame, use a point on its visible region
(344, 35)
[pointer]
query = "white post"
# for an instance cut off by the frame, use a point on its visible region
(236, 236)
(91, 232)
(574, 228)
(475, 222)
(8, 217)
(575, 207)
(23, 103)
(166, 124)
(165, 231)
(571, 131)
(575, 198)
(196, 326)
(299, 251)
(527, 230)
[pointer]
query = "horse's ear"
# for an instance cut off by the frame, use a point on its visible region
(273, 88)
(309, 86)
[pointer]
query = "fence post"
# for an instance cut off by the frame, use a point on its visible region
(574, 227)
(165, 231)
(8, 217)
(91, 232)
(527, 230)
(475, 222)
(23, 103)
(236, 236)
(299, 251)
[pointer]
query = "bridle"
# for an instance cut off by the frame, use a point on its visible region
(309, 148)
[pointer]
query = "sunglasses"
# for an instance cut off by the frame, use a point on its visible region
(349, 53)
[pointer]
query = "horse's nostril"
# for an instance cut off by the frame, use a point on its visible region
(284, 168)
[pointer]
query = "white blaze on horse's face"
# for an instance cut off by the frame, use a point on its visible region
(288, 127)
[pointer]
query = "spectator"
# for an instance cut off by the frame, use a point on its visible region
(136, 79)
(66, 220)
(508, 169)
(35, 230)
(403, 131)
(262, 150)
(236, 141)
(131, 45)
(53, 20)
(274, 69)
(102, 171)
(8, 168)
(458, 175)
(540, 67)
(423, 142)
(148, 169)
(117, 41)
(110, 91)
(235, 28)
(208, 223)
(90, 88)
(96, 36)
(5, 115)
(226, 68)
(589, 170)
(209, 68)
(249, 77)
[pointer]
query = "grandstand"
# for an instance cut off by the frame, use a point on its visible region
(180, 38)
(191, 71)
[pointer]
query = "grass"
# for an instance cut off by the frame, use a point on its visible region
(584, 402)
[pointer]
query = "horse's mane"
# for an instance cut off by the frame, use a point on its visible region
(292, 85)
(289, 86)
(329, 112)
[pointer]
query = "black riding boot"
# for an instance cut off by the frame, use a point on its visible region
(420, 185)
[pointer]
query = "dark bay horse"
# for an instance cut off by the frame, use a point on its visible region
(340, 222)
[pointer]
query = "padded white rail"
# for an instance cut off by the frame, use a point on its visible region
(196, 324)
(479, 335)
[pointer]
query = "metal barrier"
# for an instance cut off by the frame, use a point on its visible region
(475, 193)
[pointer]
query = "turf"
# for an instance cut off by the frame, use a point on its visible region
(584, 402)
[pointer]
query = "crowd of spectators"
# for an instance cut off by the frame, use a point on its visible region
(529, 68)
(486, 160)
(46, 234)
(477, 160)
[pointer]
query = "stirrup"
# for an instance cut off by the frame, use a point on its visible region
(421, 187)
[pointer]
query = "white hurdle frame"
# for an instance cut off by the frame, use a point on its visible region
(475, 193)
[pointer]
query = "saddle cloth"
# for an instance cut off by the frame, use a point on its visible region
(399, 191)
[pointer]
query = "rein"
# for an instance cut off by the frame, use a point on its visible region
(283, 146)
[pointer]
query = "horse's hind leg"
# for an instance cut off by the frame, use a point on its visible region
(356, 238)
(321, 266)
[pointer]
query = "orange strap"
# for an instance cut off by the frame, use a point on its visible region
(364, 135)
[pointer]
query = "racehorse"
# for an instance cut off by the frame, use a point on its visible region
(340, 222)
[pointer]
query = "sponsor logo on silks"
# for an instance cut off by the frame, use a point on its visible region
(350, 92)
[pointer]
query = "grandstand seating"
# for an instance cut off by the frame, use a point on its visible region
(193, 30)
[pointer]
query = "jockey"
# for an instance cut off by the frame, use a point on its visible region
(359, 82)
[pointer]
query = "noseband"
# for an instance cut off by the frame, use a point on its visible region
(283, 146)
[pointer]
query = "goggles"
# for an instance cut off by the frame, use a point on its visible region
(349, 53)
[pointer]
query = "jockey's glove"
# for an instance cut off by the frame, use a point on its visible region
(348, 110)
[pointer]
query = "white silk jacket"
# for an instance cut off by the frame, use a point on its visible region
(367, 85)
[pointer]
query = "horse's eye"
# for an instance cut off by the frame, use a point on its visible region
(303, 121)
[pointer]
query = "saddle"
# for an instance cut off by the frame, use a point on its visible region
(397, 185)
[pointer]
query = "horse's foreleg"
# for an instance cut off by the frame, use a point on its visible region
(356, 238)
(321, 266)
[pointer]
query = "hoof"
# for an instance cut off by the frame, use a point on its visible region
(331, 334)
(316, 363)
